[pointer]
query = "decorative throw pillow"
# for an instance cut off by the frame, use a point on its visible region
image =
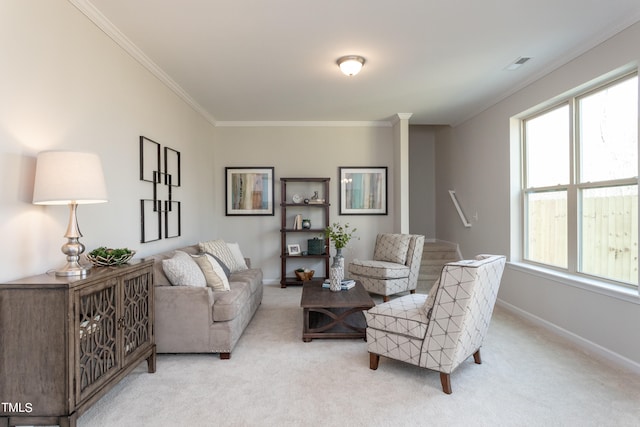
(213, 272)
(392, 248)
(222, 265)
(220, 249)
(237, 255)
(182, 270)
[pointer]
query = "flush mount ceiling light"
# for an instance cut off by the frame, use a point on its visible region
(350, 65)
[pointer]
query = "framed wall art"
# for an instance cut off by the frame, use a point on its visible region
(363, 190)
(163, 211)
(249, 191)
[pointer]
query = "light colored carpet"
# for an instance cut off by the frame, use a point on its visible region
(529, 377)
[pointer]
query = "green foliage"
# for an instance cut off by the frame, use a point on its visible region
(104, 252)
(339, 234)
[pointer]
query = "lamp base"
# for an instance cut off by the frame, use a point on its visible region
(73, 248)
(73, 269)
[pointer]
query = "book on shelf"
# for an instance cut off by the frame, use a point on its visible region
(345, 285)
(297, 222)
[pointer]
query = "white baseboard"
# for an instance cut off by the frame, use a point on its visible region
(590, 347)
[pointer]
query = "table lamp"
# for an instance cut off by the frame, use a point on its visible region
(73, 178)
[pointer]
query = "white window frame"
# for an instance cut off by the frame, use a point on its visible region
(570, 275)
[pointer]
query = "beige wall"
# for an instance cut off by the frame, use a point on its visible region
(299, 152)
(478, 160)
(66, 85)
(422, 180)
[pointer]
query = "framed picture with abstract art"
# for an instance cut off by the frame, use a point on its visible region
(363, 190)
(249, 191)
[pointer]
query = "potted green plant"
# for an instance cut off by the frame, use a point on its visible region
(340, 235)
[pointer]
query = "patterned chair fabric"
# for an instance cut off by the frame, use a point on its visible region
(443, 329)
(395, 265)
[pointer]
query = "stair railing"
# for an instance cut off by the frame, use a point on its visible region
(463, 218)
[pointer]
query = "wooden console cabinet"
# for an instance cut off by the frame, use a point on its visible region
(64, 342)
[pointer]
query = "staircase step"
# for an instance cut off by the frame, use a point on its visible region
(438, 247)
(434, 256)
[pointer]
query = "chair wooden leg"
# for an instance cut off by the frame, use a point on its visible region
(445, 380)
(385, 298)
(225, 356)
(374, 359)
(476, 357)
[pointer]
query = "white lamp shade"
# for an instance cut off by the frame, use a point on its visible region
(350, 65)
(64, 177)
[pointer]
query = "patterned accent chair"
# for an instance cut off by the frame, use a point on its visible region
(441, 330)
(395, 265)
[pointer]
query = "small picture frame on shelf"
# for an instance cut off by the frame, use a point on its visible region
(294, 249)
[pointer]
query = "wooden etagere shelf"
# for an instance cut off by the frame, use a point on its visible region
(287, 227)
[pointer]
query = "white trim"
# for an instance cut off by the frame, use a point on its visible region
(584, 283)
(589, 346)
(101, 21)
(327, 123)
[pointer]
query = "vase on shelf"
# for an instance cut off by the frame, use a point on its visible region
(336, 272)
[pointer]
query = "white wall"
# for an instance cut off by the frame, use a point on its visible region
(299, 152)
(474, 160)
(66, 85)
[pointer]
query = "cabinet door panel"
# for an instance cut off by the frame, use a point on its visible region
(137, 311)
(97, 336)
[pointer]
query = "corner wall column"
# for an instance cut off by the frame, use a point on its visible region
(401, 173)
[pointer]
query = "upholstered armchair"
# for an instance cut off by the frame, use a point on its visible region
(395, 265)
(441, 330)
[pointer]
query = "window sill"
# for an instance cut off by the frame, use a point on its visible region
(587, 284)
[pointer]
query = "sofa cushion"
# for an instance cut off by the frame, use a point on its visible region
(222, 265)
(160, 278)
(237, 256)
(220, 249)
(182, 270)
(252, 277)
(213, 272)
(392, 248)
(379, 269)
(227, 305)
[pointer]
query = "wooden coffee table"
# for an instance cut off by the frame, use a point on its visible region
(328, 314)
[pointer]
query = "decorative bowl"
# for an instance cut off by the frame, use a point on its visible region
(102, 257)
(304, 275)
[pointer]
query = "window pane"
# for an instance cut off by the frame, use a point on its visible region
(547, 228)
(610, 233)
(547, 148)
(608, 129)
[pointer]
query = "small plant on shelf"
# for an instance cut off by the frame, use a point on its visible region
(339, 234)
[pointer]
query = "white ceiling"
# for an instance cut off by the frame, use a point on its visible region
(274, 60)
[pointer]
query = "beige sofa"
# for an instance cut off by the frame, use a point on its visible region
(191, 319)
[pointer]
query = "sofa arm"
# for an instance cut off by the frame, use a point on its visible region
(183, 316)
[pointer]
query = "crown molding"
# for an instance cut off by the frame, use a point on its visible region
(101, 21)
(380, 123)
